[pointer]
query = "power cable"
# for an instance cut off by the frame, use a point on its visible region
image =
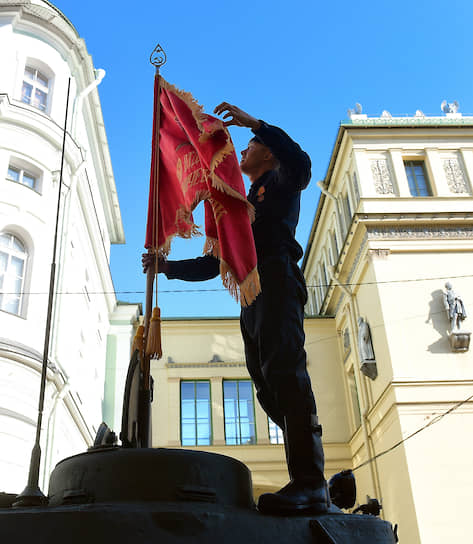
(221, 289)
(431, 422)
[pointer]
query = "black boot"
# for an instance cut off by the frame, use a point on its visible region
(307, 492)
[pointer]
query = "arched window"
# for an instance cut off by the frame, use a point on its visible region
(13, 257)
(35, 88)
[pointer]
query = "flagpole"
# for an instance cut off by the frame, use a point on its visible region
(152, 329)
(32, 494)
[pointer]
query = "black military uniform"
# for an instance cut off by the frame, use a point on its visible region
(272, 327)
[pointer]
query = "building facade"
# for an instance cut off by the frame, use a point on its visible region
(393, 225)
(41, 53)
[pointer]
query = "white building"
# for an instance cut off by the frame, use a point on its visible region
(40, 51)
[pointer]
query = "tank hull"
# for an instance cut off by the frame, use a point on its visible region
(165, 496)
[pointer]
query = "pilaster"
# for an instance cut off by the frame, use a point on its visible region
(436, 173)
(399, 173)
(218, 417)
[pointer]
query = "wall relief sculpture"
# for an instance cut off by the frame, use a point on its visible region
(383, 182)
(456, 179)
(365, 347)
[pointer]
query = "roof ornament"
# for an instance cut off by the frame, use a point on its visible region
(357, 110)
(452, 107)
(420, 113)
(386, 115)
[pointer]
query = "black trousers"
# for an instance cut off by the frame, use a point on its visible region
(273, 334)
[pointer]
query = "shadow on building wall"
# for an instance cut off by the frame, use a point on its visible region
(438, 318)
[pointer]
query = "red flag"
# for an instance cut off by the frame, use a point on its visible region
(195, 162)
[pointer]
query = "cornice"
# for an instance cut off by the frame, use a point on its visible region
(206, 365)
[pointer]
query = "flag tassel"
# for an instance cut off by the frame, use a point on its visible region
(138, 341)
(153, 345)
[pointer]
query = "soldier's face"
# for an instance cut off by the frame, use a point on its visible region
(253, 157)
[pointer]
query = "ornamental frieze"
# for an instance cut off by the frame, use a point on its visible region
(420, 233)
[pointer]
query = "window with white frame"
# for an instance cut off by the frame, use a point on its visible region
(239, 412)
(275, 433)
(23, 177)
(356, 188)
(320, 289)
(334, 244)
(196, 422)
(13, 256)
(312, 299)
(347, 214)
(325, 277)
(35, 88)
(353, 392)
(417, 178)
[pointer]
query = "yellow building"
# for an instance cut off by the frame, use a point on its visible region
(393, 224)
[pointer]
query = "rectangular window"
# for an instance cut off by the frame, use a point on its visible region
(239, 412)
(35, 89)
(333, 240)
(354, 397)
(325, 277)
(356, 188)
(417, 178)
(195, 413)
(275, 433)
(346, 211)
(18, 175)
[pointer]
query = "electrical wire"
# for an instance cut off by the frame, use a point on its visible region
(222, 289)
(397, 444)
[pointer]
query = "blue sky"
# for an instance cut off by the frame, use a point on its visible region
(298, 64)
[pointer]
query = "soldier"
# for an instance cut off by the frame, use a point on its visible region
(272, 327)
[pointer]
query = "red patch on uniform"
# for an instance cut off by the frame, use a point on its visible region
(260, 194)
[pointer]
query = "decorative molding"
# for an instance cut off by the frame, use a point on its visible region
(352, 271)
(420, 233)
(382, 178)
(360, 251)
(379, 253)
(456, 178)
(203, 365)
(408, 121)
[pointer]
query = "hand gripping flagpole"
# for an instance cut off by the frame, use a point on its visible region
(152, 328)
(32, 494)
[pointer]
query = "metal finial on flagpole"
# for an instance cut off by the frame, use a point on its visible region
(158, 57)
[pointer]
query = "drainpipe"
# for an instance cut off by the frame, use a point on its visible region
(61, 249)
(364, 405)
(320, 184)
(79, 101)
(51, 425)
